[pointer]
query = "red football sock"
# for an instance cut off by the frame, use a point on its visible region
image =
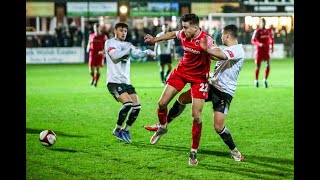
(267, 73)
(162, 115)
(257, 73)
(196, 135)
(97, 77)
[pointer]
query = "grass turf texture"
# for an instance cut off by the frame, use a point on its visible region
(59, 97)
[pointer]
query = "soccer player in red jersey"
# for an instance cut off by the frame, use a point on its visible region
(193, 68)
(222, 87)
(95, 48)
(263, 39)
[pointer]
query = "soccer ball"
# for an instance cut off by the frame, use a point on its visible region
(48, 138)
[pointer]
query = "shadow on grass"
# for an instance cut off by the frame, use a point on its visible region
(62, 150)
(58, 133)
(259, 167)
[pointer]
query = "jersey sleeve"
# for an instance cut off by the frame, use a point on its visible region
(110, 47)
(254, 38)
(232, 54)
(136, 52)
(271, 38)
(178, 34)
(116, 52)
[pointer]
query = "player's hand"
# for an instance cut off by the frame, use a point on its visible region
(271, 49)
(261, 45)
(148, 39)
(101, 52)
(150, 53)
(207, 43)
(204, 43)
(175, 57)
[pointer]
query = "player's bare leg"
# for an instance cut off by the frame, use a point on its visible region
(168, 93)
(177, 108)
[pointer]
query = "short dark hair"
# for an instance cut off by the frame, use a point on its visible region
(263, 19)
(120, 24)
(191, 18)
(232, 29)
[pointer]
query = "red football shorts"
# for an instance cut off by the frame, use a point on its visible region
(95, 59)
(261, 56)
(199, 86)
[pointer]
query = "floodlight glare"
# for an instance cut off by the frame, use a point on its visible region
(123, 9)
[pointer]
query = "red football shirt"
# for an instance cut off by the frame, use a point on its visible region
(195, 62)
(265, 37)
(97, 41)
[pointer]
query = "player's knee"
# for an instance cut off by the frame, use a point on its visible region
(218, 127)
(185, 98)
(126, 107)
(196, 119)
(162, 105)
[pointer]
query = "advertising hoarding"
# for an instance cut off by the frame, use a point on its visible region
(154, 9)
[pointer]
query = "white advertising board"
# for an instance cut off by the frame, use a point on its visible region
(54, 55)
(278, 51)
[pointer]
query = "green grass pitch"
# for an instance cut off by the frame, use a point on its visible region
(59, 97)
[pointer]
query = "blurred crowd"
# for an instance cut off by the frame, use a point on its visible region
(69, 34)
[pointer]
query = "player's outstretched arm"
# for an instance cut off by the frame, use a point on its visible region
(136, 52)
(150, 39)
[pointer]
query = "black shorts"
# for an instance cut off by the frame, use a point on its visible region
(164, 59)
(117, 89)
(220, 101)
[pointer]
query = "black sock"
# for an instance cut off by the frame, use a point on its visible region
(133, 114)
(175, 110)
(122, 115)
(162, 76)
(227, 138)
(167, 73)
